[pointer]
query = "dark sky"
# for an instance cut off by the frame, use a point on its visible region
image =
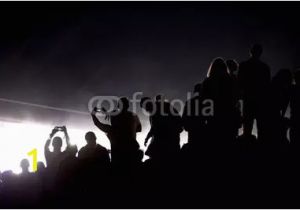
(61, 54)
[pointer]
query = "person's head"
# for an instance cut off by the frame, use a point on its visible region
(197, 88)
(57, 144)
(297, 77)
(123, 104)
(24, 165)
(218, 68)
(40, 167)
(7, 175)
(232, 66)
(147, 104)
(90, 138)
(256, 51)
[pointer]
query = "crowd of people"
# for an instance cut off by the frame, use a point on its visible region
(218, 167)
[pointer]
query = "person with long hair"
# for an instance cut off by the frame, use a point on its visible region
(218, 88)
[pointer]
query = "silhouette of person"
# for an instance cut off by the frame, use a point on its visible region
(67, 178)
(280, 96)
(122, 134)
(94, 167)
(218, 88)
(28, 188)
(254, 79)
(68, 166)
(41, 168)
(295, 112)
(25, 166)
(166, 126)
(92, 150)
(41, 176)
(54, 158)
(233, 68)
(8, 188)
(193, 121)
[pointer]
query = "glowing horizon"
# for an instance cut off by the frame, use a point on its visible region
(19, 138)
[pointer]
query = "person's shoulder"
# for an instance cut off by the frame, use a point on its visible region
(82, 150)
(100, 148)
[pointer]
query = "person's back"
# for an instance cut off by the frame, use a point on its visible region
(93, 151)
(167, 125)
(218, 94)
(218, 87)
(9, 189)
(166, 121)
(122, 134)
(54, 158)
(193, 121)
(98, 153)
(67, 173)
(125, 124)
(279, 99)
(254, 78)
(28, 188)
(93, 168)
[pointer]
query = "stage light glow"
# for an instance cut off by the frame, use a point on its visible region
(17, 139)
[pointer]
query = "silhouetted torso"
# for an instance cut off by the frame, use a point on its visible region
(54, 159)
(166, 126)
(254, 78)
(278, 100)
(124, 146)
(98, 153)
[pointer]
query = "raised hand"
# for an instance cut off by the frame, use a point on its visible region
(95, 109)
(54, 130)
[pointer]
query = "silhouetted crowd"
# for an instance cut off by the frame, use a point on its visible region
(218, 167)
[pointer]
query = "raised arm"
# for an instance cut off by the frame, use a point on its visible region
(66, 136)
(103, 127)
(46, 147)
(47, 144)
